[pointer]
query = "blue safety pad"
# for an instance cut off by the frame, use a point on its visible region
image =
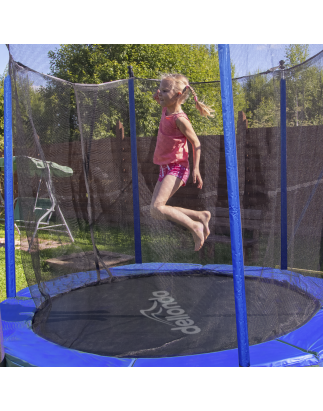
(311, 285)
(24, 293)
(62, 284)
(72, 281)
(150, 268)
(218, 359)
(277, 354)
(309, 337)
(269, 354)
(24, 347)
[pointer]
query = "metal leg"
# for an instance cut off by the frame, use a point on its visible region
(17, 228)
(37, 194)
(37, 225)
(68, 230)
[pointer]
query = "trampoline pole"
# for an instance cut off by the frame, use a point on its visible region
(2, 354)
(283, 179)
(134, 165)
(8, 193)
(234, 204)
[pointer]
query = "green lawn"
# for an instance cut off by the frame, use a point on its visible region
(20, 275)
(156, 247)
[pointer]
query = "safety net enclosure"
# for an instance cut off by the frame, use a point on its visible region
(109, 278)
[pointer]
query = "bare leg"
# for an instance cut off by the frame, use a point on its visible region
(202, 216)
(158, 208)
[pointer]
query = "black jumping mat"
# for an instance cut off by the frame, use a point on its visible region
(183, 313)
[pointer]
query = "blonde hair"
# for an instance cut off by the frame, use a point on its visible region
(181, 84)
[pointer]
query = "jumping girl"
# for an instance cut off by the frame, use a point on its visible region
(171, 154)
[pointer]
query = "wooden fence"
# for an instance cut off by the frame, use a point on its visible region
(110, 169)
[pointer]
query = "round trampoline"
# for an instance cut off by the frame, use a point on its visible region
(200, 319)
(149, 327)
(112, 285)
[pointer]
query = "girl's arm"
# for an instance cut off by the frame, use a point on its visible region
(186, 128)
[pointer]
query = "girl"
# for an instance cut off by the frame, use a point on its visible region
(171, 154)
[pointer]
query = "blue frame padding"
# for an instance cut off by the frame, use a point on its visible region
(269, 354)
(301, 347)
(24, 347)
(300, 337)
(77, 280)
(312, 285)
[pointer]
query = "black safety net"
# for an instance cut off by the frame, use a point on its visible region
(75, 210)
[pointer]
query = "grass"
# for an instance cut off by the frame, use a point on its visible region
(157, 246)
(20, 275)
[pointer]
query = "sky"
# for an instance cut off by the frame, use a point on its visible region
(247, 58)
(4, 57)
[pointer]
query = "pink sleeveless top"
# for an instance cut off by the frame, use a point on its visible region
(171, 144)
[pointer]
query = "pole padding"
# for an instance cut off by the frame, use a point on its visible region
(8, 193)
(134, 165)
(234, 204)
(283, 176)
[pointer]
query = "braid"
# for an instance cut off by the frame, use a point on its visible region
(205, 111)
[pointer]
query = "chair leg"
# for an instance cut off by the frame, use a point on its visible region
(16, 227)
(65, 223)
(36, 229)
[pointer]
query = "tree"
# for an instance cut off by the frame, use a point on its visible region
(296, 54)
(262, 100)
(2, 77)
(304, 85)
(101, 63)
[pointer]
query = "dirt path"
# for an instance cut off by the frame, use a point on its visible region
(42, 244)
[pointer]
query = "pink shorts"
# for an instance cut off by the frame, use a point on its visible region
(176, 170)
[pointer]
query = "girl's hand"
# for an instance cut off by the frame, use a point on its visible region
(156, 96)
(197, 176)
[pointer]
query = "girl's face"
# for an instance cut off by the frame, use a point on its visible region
(167, 95)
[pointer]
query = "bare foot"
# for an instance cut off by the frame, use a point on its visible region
(205, 217)
(198, 235)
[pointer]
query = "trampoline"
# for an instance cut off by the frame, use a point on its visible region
(128, 291)
(141, 333)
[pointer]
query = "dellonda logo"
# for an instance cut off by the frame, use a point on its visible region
(176, 315)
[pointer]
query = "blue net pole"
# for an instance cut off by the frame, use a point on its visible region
(8, 192)
(134, 164)
(234, 204)
(2, 354)
(283, 164)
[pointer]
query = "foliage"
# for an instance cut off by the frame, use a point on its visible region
(20, 276)
(2, 77)
(304, 88)
(261, 106)
(304, 85)
(296, 54)
(102, 63)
